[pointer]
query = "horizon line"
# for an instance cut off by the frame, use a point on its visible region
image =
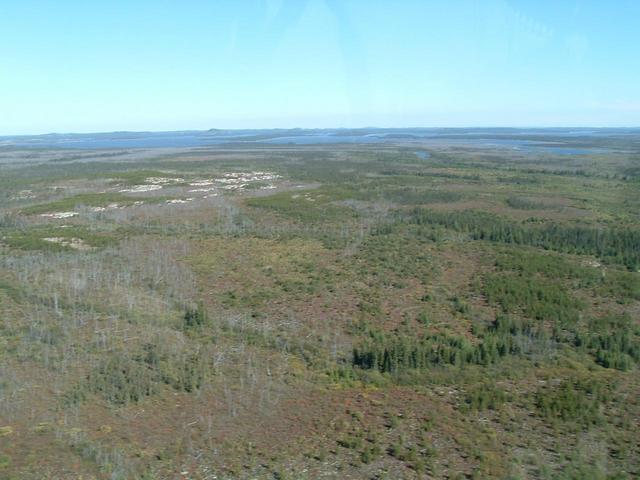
(494, 127)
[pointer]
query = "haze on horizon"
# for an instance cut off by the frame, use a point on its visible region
(72, 66)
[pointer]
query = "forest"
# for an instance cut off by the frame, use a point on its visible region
(402, 309)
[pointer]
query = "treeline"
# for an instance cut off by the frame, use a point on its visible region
(613, 342)
(396, 352)
(621, 245)
(392, 353)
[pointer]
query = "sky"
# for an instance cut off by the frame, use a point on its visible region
(89, 66)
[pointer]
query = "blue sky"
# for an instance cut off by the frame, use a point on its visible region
(84, 66)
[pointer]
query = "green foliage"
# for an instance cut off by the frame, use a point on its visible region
(368, 455)
(524, 261)
(394, 255)
(5, 461)
(536, 298)
(575, 400)
(423, 318)
(120, 380)
(123, 378)
(85, 199)
(617, 245)
(33, 238)
(622, 286)
(195, 317)
(614, 341)
(460, 305)
(397, 353)
(524, 203)
(351, 441)
(395, 450)
(484, 396)
(619, 284)
(402, 452)
(184, 371)
(299, 208)
(414, 196)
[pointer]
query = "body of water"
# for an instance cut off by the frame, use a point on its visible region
(485, 138)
